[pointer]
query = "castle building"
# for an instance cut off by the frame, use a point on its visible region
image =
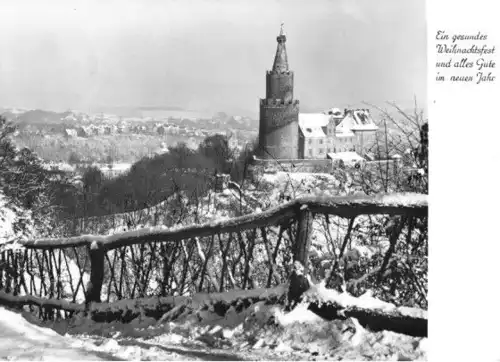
(284, 133)
(334, 131)
(279, 112)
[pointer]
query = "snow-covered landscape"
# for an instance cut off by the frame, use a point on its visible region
(234, 324)
(140, 221)
(196, 328)
(200, 332)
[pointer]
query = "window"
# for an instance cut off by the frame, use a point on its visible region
(310, 152)
(320, 151)
(328, 150)
(310, 141)
(320, 141)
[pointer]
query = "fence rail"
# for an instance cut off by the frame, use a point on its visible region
(247, 252)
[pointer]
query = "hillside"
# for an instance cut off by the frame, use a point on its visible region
(255, 198)
(234, 325)
(222, 205)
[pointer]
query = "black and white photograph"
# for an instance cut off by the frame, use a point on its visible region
(214, 180)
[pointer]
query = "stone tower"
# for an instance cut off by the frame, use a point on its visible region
(279, 112)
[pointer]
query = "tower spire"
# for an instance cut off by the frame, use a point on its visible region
(279, 111)
(280, 59)
(281, 29)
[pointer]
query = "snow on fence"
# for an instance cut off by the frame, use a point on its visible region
(253, 251)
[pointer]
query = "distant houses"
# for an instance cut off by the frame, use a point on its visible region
(186, 127)
(190, 130)
(90, 130)
(70, 133)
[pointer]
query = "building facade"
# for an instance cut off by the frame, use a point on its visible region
(279, 111)
(335, 132)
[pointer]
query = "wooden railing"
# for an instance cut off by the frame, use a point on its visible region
(247, 252)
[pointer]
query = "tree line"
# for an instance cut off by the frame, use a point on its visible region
(153, 180)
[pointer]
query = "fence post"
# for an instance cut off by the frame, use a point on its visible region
(298, 279)
(96, 273)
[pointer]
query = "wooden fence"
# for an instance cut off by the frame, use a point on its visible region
(63, 276)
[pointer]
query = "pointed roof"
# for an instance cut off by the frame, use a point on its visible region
(280, 59)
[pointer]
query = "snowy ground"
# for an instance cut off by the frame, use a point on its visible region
(21, 340)
(260, 332)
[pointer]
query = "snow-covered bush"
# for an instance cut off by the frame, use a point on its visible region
(34, 193)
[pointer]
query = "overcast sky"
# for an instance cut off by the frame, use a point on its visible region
(209, 55)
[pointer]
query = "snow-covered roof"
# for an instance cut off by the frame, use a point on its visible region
(314, 119)
(311, 124)
(345, 156)
(344, 129)
(358, 120)
(314, 132)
